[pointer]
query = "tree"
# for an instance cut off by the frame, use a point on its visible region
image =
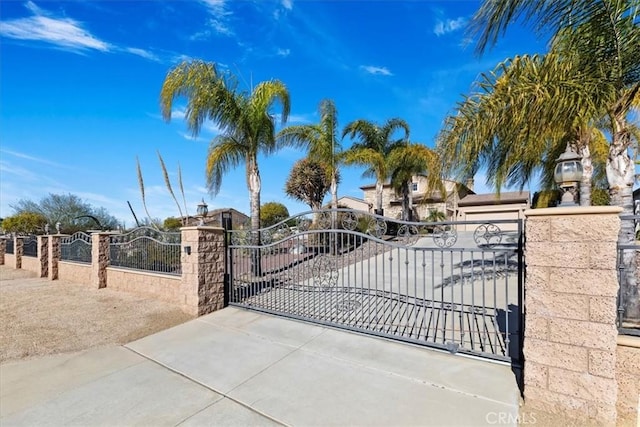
(321, 142)
(172, 223)
(308, 182)
(247, 127)
(406, 161)
(25, 223)
(272, 213)
(70, 211)
(372, 147)
(604, 35)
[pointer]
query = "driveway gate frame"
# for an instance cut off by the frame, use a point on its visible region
(456, 286)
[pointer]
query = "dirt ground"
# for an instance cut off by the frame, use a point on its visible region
(40, 317)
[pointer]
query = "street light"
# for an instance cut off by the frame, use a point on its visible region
(203, 210)
(567, 175)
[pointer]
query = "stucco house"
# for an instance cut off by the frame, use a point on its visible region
(460, 203)
(423, 201)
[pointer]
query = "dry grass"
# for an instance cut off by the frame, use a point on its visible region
(40, 317)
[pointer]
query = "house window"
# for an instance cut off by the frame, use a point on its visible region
(414, 186)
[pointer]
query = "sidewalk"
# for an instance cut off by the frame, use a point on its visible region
(236, 367)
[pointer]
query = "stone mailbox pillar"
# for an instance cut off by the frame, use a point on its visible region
(54, 255)
(570, 312)
(43, 256)
(202, 257)
(99, 259)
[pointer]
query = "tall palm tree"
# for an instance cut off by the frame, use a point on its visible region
(321, 142)
(605, 35)
(247, 126)
(520, 119)
(407, 161)
(372, 148)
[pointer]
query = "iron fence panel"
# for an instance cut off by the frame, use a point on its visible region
(628, 258)
(30, 246)
(147, 249)
(8, 249)
(76, 248)
(451, 285)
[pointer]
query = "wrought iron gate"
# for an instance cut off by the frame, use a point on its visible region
(452, 285)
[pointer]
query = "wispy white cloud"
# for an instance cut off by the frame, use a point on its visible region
(31, 158)
(446, 26)
(62, 32)
(283, 52)
(380, 71)
(143, 53)
(219, 18)
(287, 4)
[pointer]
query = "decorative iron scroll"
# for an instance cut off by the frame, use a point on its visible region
(408, 234)
(347, 305)
(325, 272)
(487, 235)
(444, 236)
(377, 227)
(148, 232)
(30, 246)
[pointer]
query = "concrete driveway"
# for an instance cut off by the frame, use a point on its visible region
(243, 368)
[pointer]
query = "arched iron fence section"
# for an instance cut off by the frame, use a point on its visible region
(76, 248)
(30, 246)
(628, 316)
(147, 249)
(8, 249)
(453, 285)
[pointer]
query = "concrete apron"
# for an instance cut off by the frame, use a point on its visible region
(237, 367)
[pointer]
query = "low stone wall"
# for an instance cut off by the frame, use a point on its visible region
(158, 286)
(74, 272)
(30, 263)
(10, 260)
(628, 379)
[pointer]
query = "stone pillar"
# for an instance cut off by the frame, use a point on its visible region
(202, 257)
(18, 250)
(99, 259)
(43, 255)
(3, 249)
(54, 255)
(570, 301)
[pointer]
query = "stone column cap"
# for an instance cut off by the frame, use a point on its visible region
(574, 210)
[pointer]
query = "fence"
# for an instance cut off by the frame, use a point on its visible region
(30, 246)
(9, 249)
(146, 249)
(76, 248)
(628, 319)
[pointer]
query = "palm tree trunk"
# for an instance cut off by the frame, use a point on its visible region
(620, 174)
(406, 206)
(334, 191)
(254, 190)
(587, 175)
(379, 187)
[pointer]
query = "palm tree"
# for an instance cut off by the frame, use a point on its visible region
(520, 119)
(247, 126)
(605, 35)
(321, 142)
(407, 161)
(372, 148)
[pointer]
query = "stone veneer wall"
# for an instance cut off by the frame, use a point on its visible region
(30, 263)
(158, 286)
(202, 287)
(3, 249)
(10, 260)
(570, 301)
(628, 379)
(74, 272)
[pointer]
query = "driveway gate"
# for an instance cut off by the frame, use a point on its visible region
(451, 285)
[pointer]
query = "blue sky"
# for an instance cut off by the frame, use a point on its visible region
(80, 83)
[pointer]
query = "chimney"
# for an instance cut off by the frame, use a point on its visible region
(469, 184)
